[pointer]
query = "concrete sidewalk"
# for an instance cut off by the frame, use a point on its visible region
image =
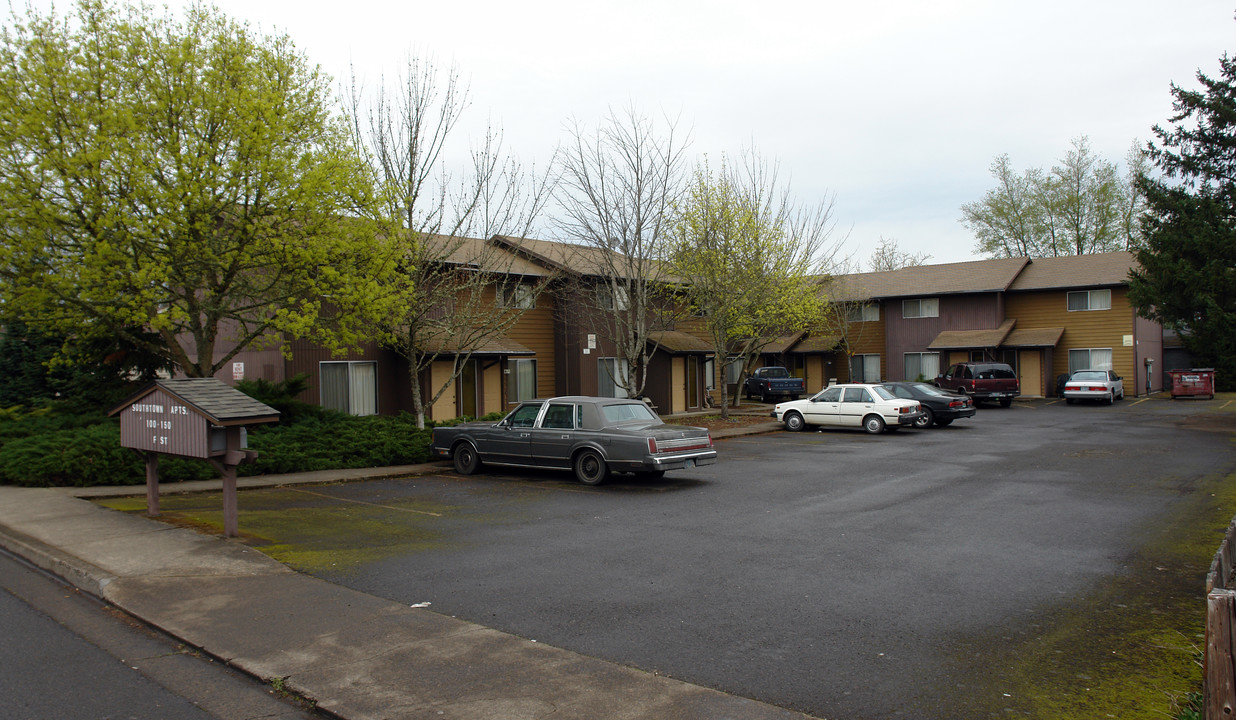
(356, 655)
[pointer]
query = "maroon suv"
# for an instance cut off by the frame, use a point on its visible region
(981, 381)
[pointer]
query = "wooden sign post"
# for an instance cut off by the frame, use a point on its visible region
(193, 417)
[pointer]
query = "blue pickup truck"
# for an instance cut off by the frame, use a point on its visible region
(767, 383)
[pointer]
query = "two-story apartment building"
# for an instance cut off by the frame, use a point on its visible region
(1045, 317)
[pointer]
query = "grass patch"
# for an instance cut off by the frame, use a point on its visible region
(1133, 647)
(307, 529)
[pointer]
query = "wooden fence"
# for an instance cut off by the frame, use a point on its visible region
(1219, 667)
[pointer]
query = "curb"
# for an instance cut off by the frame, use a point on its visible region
(73, 570)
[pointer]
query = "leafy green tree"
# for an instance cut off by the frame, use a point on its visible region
(1082, 205)
(748, 259)
(180, 184)
(1186, 277)
(78, 374)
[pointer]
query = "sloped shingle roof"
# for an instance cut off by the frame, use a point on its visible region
(920, 280)
(1076, 271)
(678, 342)
(959, 339)
(220, 403)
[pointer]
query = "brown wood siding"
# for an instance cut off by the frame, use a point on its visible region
(394, 390)
(862, 338)
(535, 330)
(161, 423)
(1082, 329)
(978, 311)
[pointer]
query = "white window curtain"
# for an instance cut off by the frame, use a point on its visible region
(1090, 359)
(334, 386)
(612, 374)
(363, 388)
(522, 382)
(926, 365)
(865, 368)
(350, 387)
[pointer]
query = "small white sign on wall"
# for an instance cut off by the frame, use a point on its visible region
(238, 371)
(1128, 341)
(592, 341)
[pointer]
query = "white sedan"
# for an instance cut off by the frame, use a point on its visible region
(870, 407)
(1103, 385)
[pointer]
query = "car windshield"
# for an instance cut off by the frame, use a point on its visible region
(627, 412)
(523, 416)
(932, 390)
(1090, 376)
(883, 392)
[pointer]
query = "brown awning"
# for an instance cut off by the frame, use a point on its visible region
(817, 344)
(781, 344)
(1034, 337)
(963, 339)
(673, 341)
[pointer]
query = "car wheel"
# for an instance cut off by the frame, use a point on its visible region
(944, 422)
(763, 397)
(590, 467)
(873, 424)
(794, 422)
(1111, 398)
(1006, 402)
(466, 459)
(926, 420)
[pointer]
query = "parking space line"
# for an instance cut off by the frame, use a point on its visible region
(364, 502)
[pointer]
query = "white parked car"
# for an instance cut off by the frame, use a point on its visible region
(870, 407)
(1103, 385)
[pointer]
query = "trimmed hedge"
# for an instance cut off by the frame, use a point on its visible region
(43, 450)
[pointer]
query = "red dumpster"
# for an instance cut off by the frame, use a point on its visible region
(1193, 382)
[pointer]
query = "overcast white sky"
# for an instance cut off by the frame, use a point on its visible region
(897, 108)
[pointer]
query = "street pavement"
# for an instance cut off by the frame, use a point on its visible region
(357, 656)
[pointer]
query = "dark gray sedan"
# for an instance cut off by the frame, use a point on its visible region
(592, 436)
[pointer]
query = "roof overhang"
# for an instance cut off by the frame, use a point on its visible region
(964, 339)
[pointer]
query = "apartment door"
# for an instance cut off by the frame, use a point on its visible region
(469, 390)
(1030, 372)
(693, 381)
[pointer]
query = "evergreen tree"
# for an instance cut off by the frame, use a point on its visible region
(1187, 274)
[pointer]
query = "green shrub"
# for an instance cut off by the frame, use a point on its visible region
(283, 395)
(48, 450)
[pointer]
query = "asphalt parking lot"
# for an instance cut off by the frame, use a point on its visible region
(834, 572)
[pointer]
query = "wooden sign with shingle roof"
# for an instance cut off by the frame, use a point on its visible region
(192, 417)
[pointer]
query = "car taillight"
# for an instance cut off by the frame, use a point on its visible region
(652, 446)
(957, 403)
(1097, 388)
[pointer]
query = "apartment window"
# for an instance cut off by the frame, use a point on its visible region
(710, 374)
(922, 365)
(521, 379)
(613, 297)
(733, 370)
(866, 312)
(1090, 359)
(517, 296)
(1090, 300)
(921, 308)
(865, 368)
(612, 377)
(350, 387)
